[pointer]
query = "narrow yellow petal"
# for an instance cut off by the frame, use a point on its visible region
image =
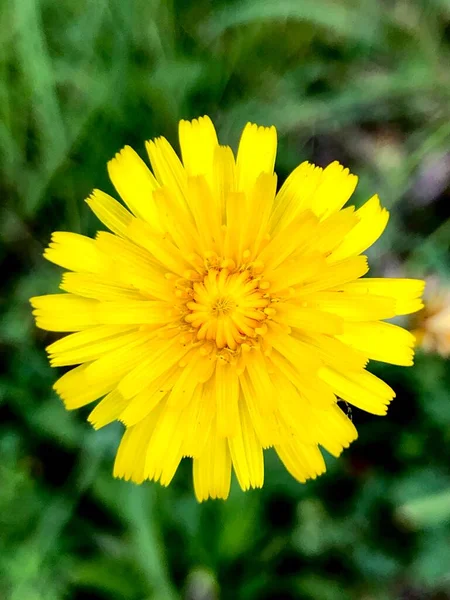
(308, 319)
(301, 460)
(372, 222)
(109, 211)
(132, 452)
(161, 249)
(64, 312)
(295, 272)
(212, 470)
(295, 196)
(334, 190)
(285, 243)
(405, 294)
(130, 312)
(198, 418)
(333, 275)
(256, 154)
(198, 142)
(139, 406)
(246, 452)
(135, 183)
(380, 341)
(306, 381)
(260, 204)
(207, 219)
(76, 390)
(134, 267)
(336, 431)
(224, 178)
(164, 451)
(332, 351)
(167, 167)
(90, 344)
(227, 394)
(165, 355)
(362, 389)
(328, 233)
(264, 423)
(353, 306)
(76, 253)
(107, 410)
(297, 413)
(91, 285)
(114, 365)
(197, 370)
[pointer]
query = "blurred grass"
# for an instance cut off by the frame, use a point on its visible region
(363, 82)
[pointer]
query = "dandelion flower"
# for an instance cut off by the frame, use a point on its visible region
(220, 317)
(431, 326)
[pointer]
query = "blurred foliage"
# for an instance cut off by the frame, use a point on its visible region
(365, 82)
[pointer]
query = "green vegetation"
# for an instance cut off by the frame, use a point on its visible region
(365, 82)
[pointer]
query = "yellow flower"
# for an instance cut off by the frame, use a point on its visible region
(431, 326)
(221, 318)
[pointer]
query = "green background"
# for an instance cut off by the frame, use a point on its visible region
(365, 82)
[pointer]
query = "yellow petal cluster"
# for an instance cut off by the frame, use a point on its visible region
(220, 317)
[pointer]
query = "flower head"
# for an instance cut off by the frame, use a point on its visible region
(221, 318)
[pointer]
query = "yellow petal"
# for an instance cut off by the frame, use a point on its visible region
(334, 190)
(64, 312)
(133, 266)
(198, 418)
(132, 452)
(295, 196)
(227, 398)
(207, 219)
(263, 422)
(362, 389)
(353, 306)
(256, 154)
(135, 183)
(224, 178)
(94, 286)
(76, 390)
(372, 222)
(90, 344)
(109, 211)
(164, 451)
(308, 319)
(336, 431)
(307, 383)
(161, 249)
(76, 253)
(246, 452)
(114, 365)
(167, 167)
(332, 351)
(107, 410)
(405, 294)
(333, 275)
(165, 355)
(301, 460)
(198, 142)
(260, 203)
(142, 403)
(380, 341)
(130, 312)
(212, 470)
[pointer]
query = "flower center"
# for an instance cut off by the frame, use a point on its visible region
(227, 306)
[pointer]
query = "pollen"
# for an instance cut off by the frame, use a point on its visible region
(227, 306)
